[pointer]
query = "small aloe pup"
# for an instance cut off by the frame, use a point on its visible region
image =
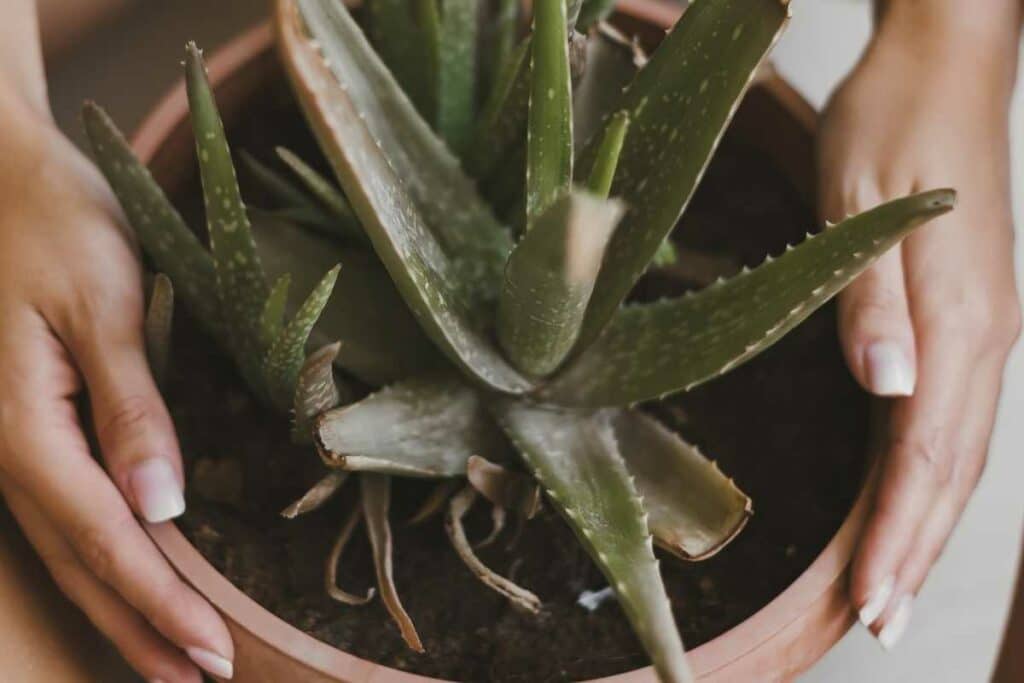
(494, 202)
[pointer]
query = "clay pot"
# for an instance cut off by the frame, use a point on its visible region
(775, 644)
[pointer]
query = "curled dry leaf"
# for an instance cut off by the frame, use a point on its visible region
(457, 509)
(435, 501)
(317, 496)
(331, 576)
(376, 495)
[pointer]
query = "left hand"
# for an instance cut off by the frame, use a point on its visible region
(932, 323)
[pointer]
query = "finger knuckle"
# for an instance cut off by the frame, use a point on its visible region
(98, 310)
(872, 304)
(128, 419)
(928, 452)
(100, 546)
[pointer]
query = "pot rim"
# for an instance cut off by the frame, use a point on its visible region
(786, 610)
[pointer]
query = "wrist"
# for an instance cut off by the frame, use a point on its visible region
(971, 46)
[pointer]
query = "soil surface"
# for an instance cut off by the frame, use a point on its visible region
(789, 427)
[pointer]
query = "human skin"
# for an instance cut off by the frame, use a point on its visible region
(71, 311)
(931, 325)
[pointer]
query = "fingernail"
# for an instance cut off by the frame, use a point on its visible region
(891, 633)
(156, 490)
(877, 601)
(210, 662)
(890, 372)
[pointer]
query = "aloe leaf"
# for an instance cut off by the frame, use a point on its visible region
(576, 459)
(693, 509)
(457, 50)
(667, 254)
(549, 148)
(602, 174)
(457, 509)
(502, 41)
(331, 575)
(439, 241)
(159, 318)
(345, 224)
(423, 427)
(503, 118)
(280, 188)
(549, 278)
(166, 239)
(400, 37)
(313, 218)
(284, 360)
(272, 317)
(593, 11)
(680, 104)
(652, 350)
(376, 497)
(317, 391)
(317, 497)
(612, 62)
(367, 319)
(241, 285)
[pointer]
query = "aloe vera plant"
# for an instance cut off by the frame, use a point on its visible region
(489, 347)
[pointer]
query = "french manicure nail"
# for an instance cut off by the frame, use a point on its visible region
(890, 372)
(210, 662)
(892, 632)
(872, 609)
(156, 490)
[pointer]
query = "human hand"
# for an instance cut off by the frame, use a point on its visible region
(71, 311)
(932, 323)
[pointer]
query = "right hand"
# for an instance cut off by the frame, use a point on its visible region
(71, 315)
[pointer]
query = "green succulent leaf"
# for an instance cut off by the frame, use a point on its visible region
(602, 174)
(345, 223)
(502, 40)
(368, 319)
(404, 35)
(439, 241)
(593, 11)
(575, 458)
(549, 278)
(166, 239)
(693, 509)
(159, 319)
(457, 58)
(376, 498)
(651, 350)
(679, 103)
(422, 427)
(667, 254)
(287, 354)
(503, 118)
(612, 62)
(549, 148)
(281, 189)
(241, 285)
(272, 318)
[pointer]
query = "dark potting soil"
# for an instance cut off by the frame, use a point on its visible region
(788, 426)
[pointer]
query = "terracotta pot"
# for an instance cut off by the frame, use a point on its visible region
(778, 642)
